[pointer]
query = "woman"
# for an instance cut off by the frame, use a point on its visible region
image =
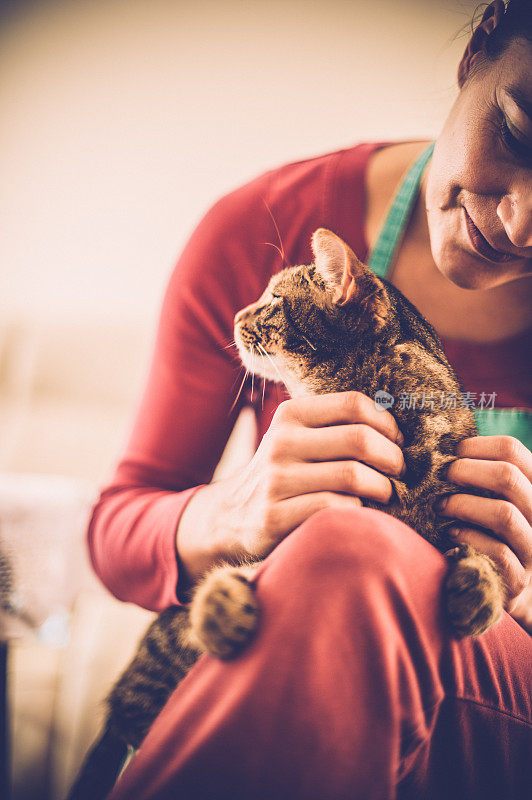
(353, 687)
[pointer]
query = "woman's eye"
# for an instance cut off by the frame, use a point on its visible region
(517, 147)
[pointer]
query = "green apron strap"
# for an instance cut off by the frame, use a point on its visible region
(505, 422)
(395, 223)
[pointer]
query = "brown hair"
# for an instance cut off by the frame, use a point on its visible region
(516, 23)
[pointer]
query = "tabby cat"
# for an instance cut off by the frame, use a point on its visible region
(329, 326)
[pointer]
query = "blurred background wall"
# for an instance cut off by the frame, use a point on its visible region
(121, 121)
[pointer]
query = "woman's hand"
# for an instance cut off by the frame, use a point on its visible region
(323, 451)
(503, 465)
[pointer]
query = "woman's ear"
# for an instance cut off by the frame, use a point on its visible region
(490, 19)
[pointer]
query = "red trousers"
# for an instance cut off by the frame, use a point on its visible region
(353, 687)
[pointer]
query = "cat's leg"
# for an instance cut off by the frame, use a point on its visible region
(474, 592)
(224, 613)
(162, 660)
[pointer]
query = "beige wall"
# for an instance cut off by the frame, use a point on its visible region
(122, 121)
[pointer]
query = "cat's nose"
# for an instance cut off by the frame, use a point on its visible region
(243, 313)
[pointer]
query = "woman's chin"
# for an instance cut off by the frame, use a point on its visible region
(466, 277)
(471, 271)
(467, 270)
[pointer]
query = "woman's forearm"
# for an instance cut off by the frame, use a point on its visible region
(131, 540)
(205, 535)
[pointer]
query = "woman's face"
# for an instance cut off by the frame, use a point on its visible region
(479, 184)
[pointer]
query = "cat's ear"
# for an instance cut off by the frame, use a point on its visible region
(330, 258)
(346, 276)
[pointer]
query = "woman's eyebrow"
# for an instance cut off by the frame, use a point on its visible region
(520, 99)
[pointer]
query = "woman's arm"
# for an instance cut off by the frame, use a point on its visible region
(185, 415)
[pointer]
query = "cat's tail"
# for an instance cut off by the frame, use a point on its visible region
(101, 768)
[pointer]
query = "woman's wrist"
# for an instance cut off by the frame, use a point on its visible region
(205, 535)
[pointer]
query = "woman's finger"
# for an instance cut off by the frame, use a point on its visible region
(521, 608)
(358, 441)
(499, 516)
(286, 515)
(498, 448)
(347, 477)
(501, 477)
(513, 573)
(342, 408)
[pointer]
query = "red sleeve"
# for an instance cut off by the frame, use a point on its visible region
(185, 416)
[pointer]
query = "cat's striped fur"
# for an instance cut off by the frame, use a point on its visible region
(325, 327)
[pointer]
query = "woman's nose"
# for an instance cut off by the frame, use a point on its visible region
(515, 213)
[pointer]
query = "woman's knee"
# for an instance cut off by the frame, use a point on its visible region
(359, 560)
(363, 534)
(360, 541)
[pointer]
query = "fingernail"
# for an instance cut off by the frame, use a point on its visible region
(452, 532)
(440, 504)
(400, 439)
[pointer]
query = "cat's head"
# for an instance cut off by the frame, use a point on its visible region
(311, 318)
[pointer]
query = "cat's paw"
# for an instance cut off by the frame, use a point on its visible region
(474, 592)
(224, 612)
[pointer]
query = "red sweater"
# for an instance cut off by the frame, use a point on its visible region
(185, 417)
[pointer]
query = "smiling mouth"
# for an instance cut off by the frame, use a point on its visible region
(482, 246)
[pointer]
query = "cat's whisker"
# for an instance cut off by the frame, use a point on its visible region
(270, 359)
(230, 345)
(313, 346)
(252, 372)
(271, 244)
(263, 390)
(240, 390)
(237, 377)
(281, 251)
